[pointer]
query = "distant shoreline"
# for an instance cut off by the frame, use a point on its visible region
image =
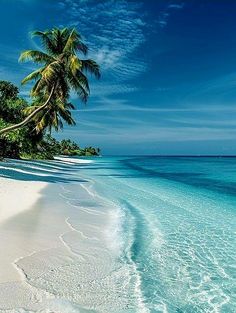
(174, 156)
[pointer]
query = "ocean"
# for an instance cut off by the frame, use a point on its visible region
(177, 229)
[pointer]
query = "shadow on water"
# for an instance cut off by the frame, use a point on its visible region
(134, 168)
(44, 171)
(195, 179)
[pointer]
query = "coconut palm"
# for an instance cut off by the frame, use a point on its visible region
(61, 71)
(51, 117)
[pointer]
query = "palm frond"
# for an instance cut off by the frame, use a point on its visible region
(83, 80)
(51, 72)
(35, 56)
(71, 41)
(47, 42)
(75, 64)
(33, 76)
(92, 67)
(82, 47)
(62, 70)
(63, 90)
(38, 88)
(78, 88)
(67, 117)
(70, 105)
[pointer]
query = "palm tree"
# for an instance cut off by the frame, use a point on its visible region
(52, 116)
(61, 72)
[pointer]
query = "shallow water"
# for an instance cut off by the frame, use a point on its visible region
(179, 227)
(126, 234)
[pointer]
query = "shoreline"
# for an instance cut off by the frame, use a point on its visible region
(51, 221)
(64, 250)
(18, 195)
(23, 185)
(85, 238)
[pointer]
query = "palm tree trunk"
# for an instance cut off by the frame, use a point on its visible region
(29, 118)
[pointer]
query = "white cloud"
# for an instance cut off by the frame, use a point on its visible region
(165, 14)
(176, 6)
(114, 31)
(138, 133)
(225, 123)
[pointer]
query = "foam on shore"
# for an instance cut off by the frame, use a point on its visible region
(73, 160)
(62, 243)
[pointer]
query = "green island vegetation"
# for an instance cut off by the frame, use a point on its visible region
(26, 127)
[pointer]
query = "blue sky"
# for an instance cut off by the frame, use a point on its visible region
(168, 81)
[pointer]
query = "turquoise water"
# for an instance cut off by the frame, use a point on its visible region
(178, 228)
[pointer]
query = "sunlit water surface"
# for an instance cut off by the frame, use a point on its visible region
(124, 235)
(178, 228)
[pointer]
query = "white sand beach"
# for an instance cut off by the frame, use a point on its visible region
(17, 196)
(58, 240)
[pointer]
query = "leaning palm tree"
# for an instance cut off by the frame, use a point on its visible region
(61, 72)
(51, 117)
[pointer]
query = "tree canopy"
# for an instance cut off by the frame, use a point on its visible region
(61, 71)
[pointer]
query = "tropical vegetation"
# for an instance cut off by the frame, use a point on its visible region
(27, 142)
(25, 128)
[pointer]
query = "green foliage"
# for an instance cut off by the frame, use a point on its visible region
(38, 155)
(8, 149)
(27, 142)
(23, 140)
(90, 151)
(61, 71)
(67, 147)
(7, 91)
(12, 110)
(23, 126)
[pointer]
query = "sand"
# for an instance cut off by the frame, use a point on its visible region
(59, 245)
(18, 196)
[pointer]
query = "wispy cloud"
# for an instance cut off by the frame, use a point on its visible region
(137, 133)
(216, 123)
(166, 12)
(105, 104)
(114, 31)
(176, 6)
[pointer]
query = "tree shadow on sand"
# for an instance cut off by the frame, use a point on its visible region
(44, 171)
